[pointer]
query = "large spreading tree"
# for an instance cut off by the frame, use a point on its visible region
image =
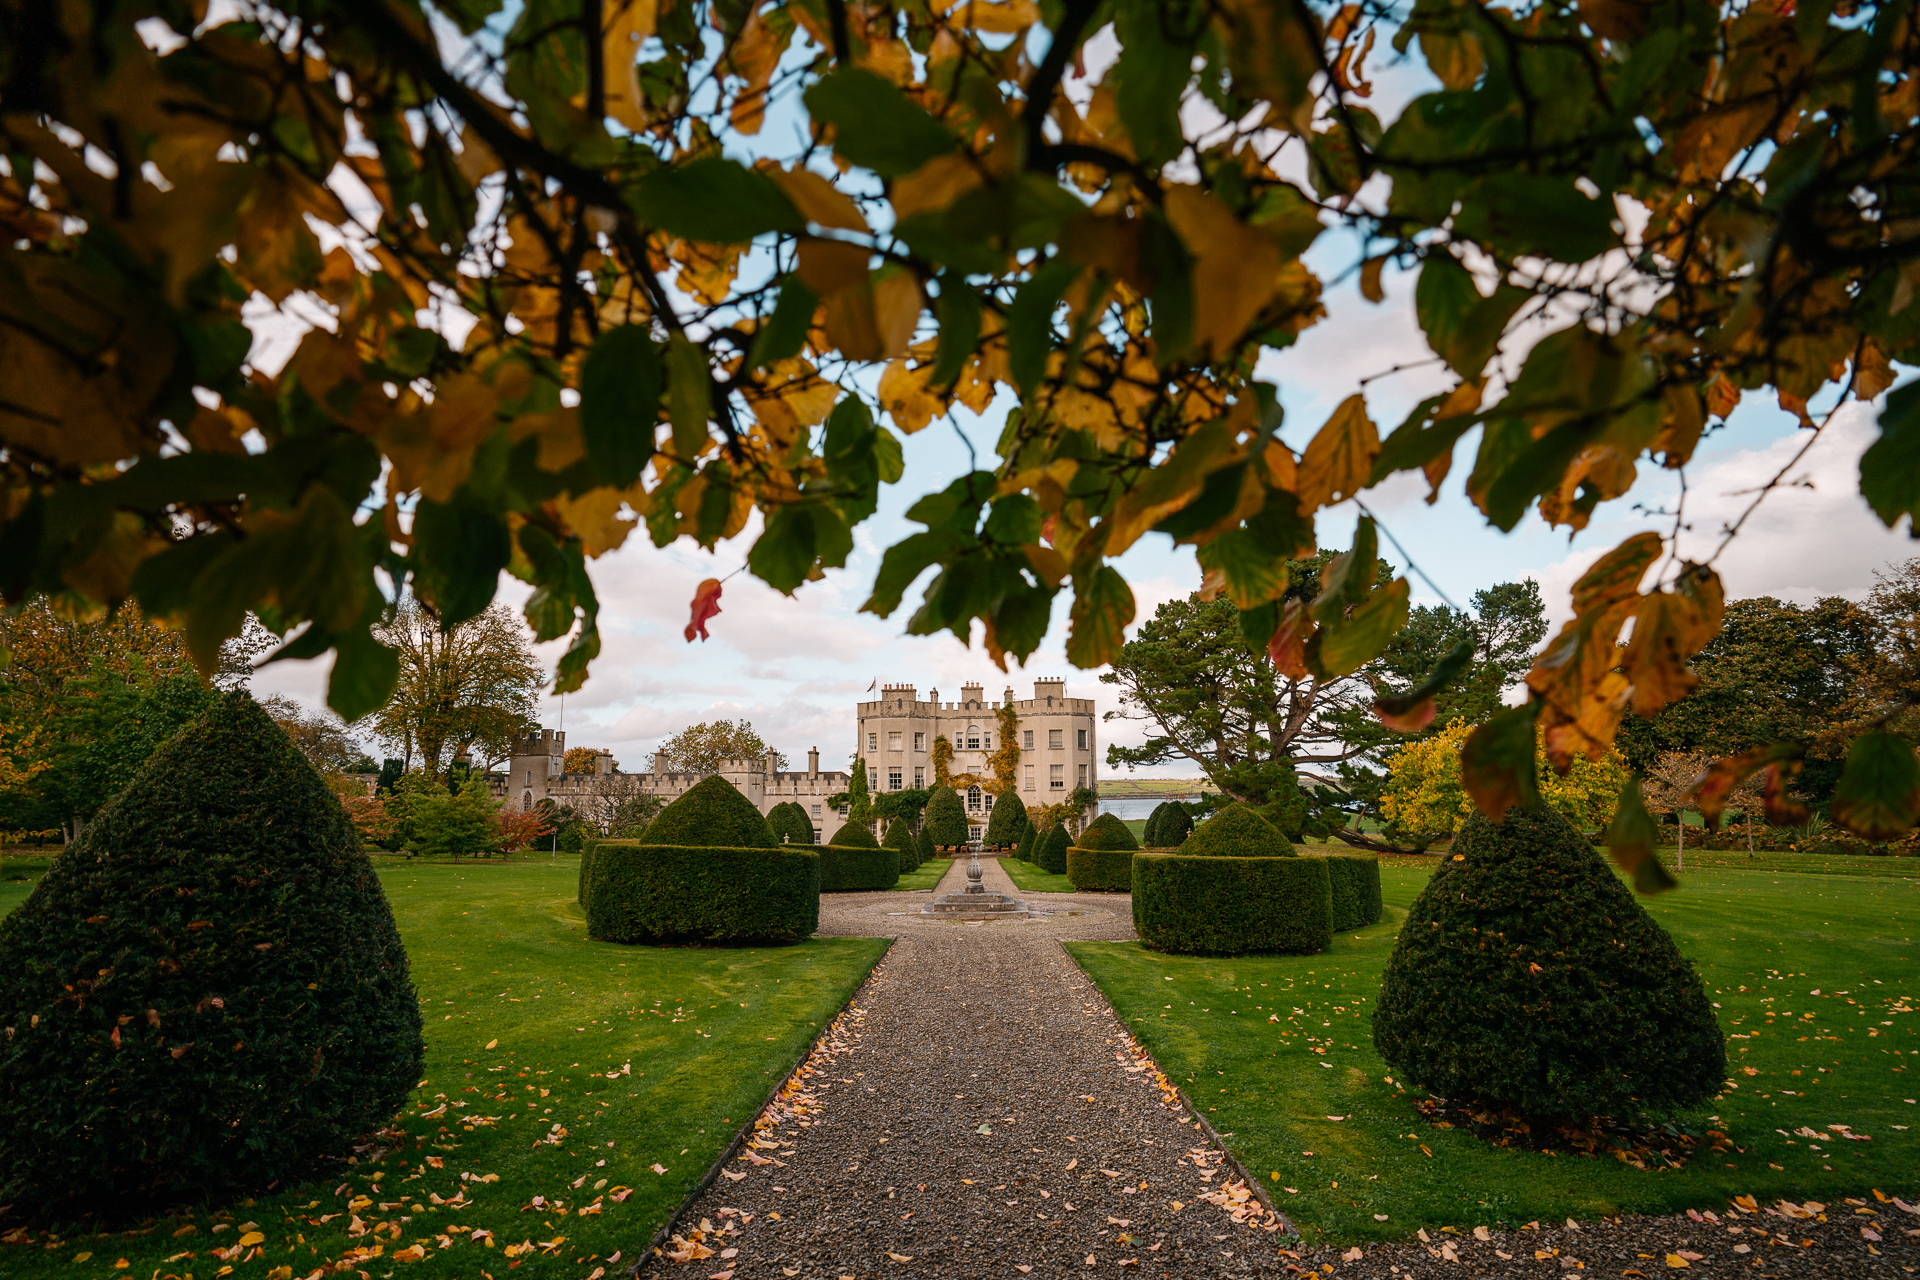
(583, 268)
(703, 747)
(465, 690)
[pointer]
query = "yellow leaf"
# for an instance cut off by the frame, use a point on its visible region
(596, 517)
(1004, 17)
(252, 1238)
(936, 184)
(818, 200)
(492, 1044)
(1669, 628)
(905, 397)
(1677, 1262)
(628, 24)
(1236, 268)
(557, 430)
(1338, 462)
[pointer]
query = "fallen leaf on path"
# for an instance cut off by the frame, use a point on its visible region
(1677, 1262)
(1352, 1255)
(900, 1257)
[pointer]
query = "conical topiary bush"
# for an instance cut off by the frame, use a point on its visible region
(1150, 834)
(711, 814)
(900, 839)
(1024, 850)
(1527, 976)
(1008, 820)
(1176, 824)
(947, 818)
(790, 824)
(206, 994)
(923, 844)
(1106, 832)
(1050, 851)
(1237, 832)
(1102, 858)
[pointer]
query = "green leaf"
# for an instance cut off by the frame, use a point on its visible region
(1014, 520)
(1890, 468)
(905, 561)
(620, 386)
(1219, 495)
(1251, 573)
(1413, 710)
(1021, 618)
(785, 332)
(1497, 763)
(461, 547)
(689, 397)
(956, 508)
(1097, 626)
(1351, 575)
(1343, 645)
(1152, 74)
(1527, 214)
(1030, 335)
(958, 309)
(1630, 838)
(1878, 796)
(715, 201)
(875, 125)
(1420, 439)
(364, 675)
(1461, 326)
(794, 539)
(1166, 261)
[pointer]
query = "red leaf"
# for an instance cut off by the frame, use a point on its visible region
(706, 603)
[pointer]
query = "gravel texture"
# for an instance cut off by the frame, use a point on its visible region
(979, 1110)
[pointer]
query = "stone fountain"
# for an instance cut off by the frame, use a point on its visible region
(974, 902)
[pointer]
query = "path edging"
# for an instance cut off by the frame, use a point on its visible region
(665, 1231)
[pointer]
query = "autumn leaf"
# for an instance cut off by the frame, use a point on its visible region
(1412, 711)
(1338, 461)
(1878, 795)
(1496, 763)
(706, 603)
(1630, 839)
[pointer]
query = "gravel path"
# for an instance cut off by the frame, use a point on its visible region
(979, 1110)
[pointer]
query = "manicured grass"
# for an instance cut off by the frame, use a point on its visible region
(705, 1034)
(1030, 879)
(927, 876)
(1763, 944)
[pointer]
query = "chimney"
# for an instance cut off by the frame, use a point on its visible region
(603, 764)
(972, 693)
(813, 762)
(1009, 701)
(659, 762)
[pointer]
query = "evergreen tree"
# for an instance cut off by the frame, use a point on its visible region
(1008, 820)
(900, 837)
(790, 823)
(1051, 849)
(947, 818)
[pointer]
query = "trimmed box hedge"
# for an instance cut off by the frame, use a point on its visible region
(1229, 906)
(1355, 883)
(848, 868)
(586, 872)
(1237, 831)
(712, 813)
(1100, 870)
(652, 893)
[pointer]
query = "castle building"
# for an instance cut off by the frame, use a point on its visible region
(1056, 737)
(535, 773)
(894, 734)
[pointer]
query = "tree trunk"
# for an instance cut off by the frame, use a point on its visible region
(1749, 835)
(1679, 841)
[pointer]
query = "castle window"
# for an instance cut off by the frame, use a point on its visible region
(973, 737)
(1026, 742)
(1057, 740)
(893, 779)
(846, 811)
(919, 779)
(873, 742)
(988, 801)
(1056, 777)
(529, 781)
(1083, 739)
(1083, 776)
(893, 742)
(526, 802)
(1029, 777)
(973, 799)
(919, 742)
(816, 811)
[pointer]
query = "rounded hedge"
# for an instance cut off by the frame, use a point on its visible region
(1237, 832)
(1028, 838)
(1050, 850)
(1230, 906)
(848, 868)
(1168, 825)
(1527, 976)
(900, 840)
(855, 835)
(1355, 881)
(206, 994)
(657, 894)
(1100, 870)
(1006, 822)
(790, 824)
(1107, 832)
(712, 813)
(947, 818)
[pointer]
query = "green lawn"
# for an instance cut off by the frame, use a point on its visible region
(1763, 942)
(704, 1034)
(1030, 879)
(927, 876)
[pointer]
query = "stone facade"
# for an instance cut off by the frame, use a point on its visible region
(894, 734)
(1058, 742)
(535, 774)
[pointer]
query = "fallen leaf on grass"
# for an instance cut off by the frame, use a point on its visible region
(658, 1168)
(492, 1043)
